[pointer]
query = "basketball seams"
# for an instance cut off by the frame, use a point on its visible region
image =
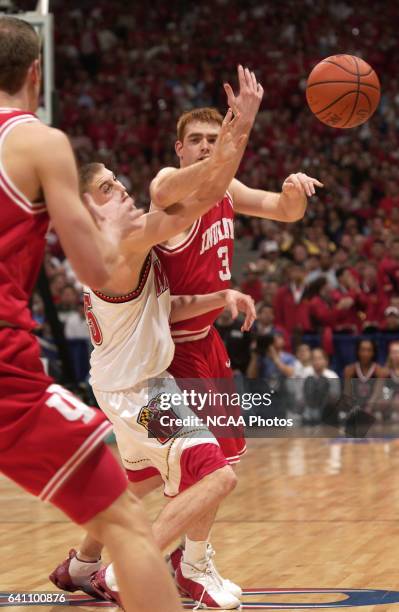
(327, 61)
(347, 93)
(349, 82)
(330, 84)
(357, 92)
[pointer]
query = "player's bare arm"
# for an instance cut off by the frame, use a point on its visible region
(92, 254)
(188, 306)
(177, 184)
(287, 206)
(160, 225)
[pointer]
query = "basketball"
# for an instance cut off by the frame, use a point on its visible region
(343, 91)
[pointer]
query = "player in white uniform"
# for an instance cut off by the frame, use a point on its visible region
(132, 342)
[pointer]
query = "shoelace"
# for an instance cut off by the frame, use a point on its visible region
(208, 572)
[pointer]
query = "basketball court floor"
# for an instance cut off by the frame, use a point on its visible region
(313, 523)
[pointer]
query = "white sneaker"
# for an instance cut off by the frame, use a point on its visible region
(204, 586)
(228, 584)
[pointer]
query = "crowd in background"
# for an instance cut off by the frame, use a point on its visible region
(125, 72)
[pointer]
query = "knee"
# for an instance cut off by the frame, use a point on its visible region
(227, 479)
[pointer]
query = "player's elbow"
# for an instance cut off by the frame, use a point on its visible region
(295, 215)
(159, 196)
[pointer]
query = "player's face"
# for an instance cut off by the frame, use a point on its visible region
(106, 187)
(198, 142)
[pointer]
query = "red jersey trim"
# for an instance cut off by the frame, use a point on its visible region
(75, 461)
(121, 299)
(15, 195)
(184, 244)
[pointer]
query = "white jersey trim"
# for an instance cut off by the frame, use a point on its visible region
(230, 198)
(6, 183)
(75, 461)
(133, 295)
(177, 248)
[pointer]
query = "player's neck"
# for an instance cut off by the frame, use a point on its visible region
(19, 101)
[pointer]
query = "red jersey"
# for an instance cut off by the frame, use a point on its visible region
(23, 225)
(201, 264)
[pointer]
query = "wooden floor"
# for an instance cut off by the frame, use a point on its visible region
(307, 513)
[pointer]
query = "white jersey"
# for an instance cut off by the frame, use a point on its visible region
(130, 334)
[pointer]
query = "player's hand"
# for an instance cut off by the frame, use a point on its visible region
(236, 302)
(299, 185)
(246, 103)
(116, 216)
(232, 136)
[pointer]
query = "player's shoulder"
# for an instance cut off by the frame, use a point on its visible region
(41, 136)
(165, 171)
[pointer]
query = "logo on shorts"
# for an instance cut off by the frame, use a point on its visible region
(150, 418)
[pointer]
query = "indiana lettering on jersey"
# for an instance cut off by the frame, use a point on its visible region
(160, 278)
(224, 228)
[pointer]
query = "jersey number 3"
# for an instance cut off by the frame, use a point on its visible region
(223, 254)
(91, 319)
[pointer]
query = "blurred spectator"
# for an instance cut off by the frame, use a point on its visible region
(273, 365)
(321, 389)
(347, 299)
(390, 388)
(303, 365)
(360, 377)
(237, 342)
(291, 311)
(391, 320)
(252, 285)
(374, 299)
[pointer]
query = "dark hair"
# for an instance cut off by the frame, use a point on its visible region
(86, 174)
(19, 48)
(341, 271)
(315, 287)
(362, 341)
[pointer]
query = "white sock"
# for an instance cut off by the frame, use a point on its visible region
(110, 579)
(82, 569)
(195, 552)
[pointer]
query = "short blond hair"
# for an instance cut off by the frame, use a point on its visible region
(205, 115)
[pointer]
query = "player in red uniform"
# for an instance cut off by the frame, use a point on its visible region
(51, 443)
(199, 260)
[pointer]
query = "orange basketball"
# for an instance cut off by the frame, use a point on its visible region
(343, 91)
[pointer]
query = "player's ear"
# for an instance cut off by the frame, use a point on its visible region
(35, 72)
(178, 148)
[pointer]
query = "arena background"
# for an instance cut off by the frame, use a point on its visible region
(150, 63)
(312, 521)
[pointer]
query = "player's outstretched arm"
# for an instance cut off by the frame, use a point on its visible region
(188, 306)
(93, 255)
(173, 185)
(287, 206)
(161, 225)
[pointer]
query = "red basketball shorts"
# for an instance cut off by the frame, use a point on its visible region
(50, 442)
(208, 359)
